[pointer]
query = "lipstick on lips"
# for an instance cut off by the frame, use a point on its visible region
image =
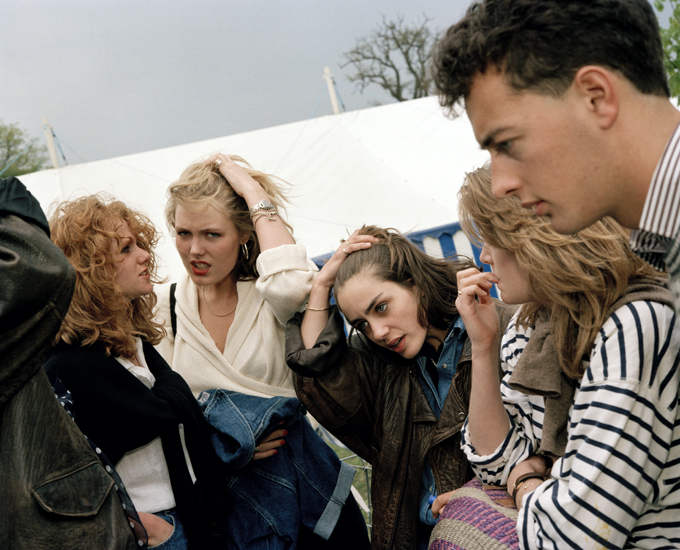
(397, 345)
(199, 271)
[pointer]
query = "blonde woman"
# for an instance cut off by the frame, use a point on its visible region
(245, 277)
(226, 317)
(590, 380)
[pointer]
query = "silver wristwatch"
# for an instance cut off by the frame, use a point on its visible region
(263, 208)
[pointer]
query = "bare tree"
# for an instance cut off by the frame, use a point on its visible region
(395, 57)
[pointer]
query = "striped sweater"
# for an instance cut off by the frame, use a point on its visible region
(618, 484)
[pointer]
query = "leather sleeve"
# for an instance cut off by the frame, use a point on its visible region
(36, 286)
(336, 382)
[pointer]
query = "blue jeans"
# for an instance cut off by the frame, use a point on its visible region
(303, 486)
(178, 540)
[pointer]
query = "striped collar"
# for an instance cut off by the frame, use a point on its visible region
(660, 219)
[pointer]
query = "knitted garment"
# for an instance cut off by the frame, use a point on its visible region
(478, 517)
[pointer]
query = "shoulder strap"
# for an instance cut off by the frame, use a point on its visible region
(173, 314)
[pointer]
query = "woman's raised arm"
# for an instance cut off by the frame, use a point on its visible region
(270, 229)
(488, 422)
(316, 315)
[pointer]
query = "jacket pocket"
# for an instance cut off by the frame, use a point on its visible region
(79, 493)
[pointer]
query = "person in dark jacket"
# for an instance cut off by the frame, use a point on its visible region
(54, 491)
(397, 392)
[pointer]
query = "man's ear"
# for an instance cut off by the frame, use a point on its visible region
(597, 86)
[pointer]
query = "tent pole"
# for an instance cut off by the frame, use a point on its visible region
(50, 144)
(328, 77)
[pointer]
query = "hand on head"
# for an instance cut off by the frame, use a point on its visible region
(235, 174)
(354, 243)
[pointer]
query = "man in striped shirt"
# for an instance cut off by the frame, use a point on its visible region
(571, 99)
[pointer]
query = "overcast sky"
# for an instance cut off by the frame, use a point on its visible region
(124, 76)
(115, 77)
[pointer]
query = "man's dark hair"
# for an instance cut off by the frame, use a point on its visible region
(541, 44)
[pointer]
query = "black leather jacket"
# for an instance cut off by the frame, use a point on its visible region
(54, 492)
(372, 401)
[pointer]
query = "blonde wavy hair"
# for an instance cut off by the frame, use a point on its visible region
(84, 229)
(581, 276)
(202, 184)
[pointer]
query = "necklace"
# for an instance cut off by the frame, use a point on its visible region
(211, 311)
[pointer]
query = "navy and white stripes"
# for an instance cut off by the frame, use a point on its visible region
(657, 240)
(618, 484)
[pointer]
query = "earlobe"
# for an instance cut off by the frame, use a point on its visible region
(597, 86)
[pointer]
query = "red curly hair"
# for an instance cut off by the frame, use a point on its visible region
(84, 229)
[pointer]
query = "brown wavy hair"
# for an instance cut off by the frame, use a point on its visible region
(202, 184)
(398, 260)
(99, 312)
(580, 275)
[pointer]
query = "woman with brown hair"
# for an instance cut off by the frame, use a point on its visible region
(397, 391)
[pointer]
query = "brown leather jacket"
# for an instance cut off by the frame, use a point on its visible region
(372, 401)
(54, 491)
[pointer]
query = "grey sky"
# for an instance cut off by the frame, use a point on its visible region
(123, 76)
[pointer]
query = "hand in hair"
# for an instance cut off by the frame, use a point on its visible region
(354, 243)
(316, 315)
(240, 180)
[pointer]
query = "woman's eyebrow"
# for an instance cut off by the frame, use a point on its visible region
(369, 308)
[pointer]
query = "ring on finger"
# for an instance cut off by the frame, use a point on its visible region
(345, 251)
(217, 163)
(460, 292)
(257, 448)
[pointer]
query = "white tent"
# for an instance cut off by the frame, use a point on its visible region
(398, 165)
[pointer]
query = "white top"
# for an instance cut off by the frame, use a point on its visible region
(144, 471)
(617, 484)
(253, 361)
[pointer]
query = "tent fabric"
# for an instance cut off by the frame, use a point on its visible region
(398, 165)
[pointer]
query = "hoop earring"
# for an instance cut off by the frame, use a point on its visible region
(244, 248)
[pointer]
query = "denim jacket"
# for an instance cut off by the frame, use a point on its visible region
(304, 484)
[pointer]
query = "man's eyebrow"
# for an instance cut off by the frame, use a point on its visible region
(490, 138)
